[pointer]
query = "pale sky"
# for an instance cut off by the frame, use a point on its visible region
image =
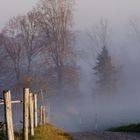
(86, 11)
(116, 11)
(10, 8)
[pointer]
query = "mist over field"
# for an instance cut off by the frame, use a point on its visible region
(96, 86)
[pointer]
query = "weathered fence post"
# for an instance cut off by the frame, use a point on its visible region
(41, 115)
(31, 118)
(8, 115)
(35, 110)
(25, 113)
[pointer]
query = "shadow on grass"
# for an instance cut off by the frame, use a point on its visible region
(65, 135)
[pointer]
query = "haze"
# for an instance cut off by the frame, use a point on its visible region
(86, 11)
(10, 8)
(124, 49)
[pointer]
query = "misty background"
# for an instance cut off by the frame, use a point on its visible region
(89, 110)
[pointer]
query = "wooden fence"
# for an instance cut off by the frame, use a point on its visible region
(30, 114)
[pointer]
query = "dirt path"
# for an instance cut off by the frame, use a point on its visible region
(105, 136)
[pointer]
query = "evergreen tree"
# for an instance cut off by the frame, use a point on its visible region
(105, 71)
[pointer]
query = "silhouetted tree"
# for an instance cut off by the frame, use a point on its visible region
(105, 71)
(44, 31)
(55, 20)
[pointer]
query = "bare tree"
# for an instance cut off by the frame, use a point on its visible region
(44, 31)
(31, 36)
(11, 41)
(22, 42)
(99, 36)
(5, 62)
(56, 21)
(135, 27)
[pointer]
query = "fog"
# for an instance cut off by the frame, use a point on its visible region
(86, 12)
(92, 111)
(9, 9)
(100, 112)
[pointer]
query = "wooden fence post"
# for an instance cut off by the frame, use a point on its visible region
(31, 118)
(25, 113)
(35, 110)
(41, 115)
(8, 115)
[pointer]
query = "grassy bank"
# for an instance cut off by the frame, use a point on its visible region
(127, 128)
(46, 132)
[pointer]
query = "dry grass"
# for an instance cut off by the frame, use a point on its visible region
(47, 132)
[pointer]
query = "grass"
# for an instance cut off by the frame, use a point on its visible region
(2, 137)
(46, 132)
(127, 128)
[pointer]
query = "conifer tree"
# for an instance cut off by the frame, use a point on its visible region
(105, 71)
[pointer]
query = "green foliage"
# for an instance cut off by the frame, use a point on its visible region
(127, 128)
